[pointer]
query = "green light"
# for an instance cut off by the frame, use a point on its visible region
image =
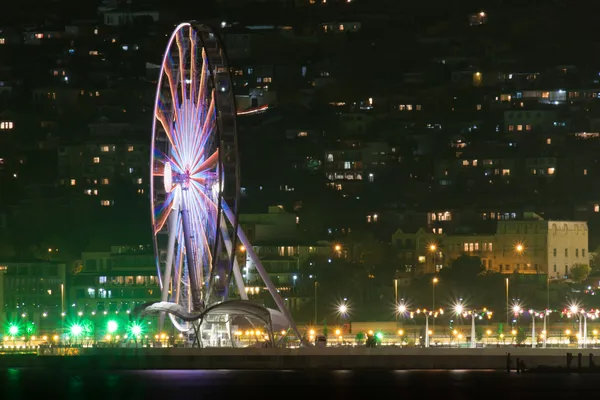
(112, 326)
(76, 330)
(13, 330)
(379, 335)
(136, 330)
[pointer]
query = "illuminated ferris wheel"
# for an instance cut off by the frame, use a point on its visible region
(195, 179)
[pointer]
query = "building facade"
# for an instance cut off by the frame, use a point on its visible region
(527, 246)
(115, 280)
(32, 292)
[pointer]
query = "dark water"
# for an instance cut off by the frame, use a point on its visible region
(306, 385)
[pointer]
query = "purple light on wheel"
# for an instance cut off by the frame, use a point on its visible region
(186, 182)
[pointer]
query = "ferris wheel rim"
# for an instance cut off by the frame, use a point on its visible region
(220, 176)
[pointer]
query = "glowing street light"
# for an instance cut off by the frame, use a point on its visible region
(520, 248)
(76, 330)
(401, 309)
(517, 309)
(13, 330)
(112, 326)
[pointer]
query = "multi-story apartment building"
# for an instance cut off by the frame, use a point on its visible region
(115, 280)
(91, 168)
(351, 164)
(276, 240)
(32, 291)
(529, 245)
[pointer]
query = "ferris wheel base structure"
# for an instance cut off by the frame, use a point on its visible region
(195, 191)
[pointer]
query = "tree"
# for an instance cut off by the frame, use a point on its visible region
(595, 259)
(579, 272)
(7, 249)
(464, 268)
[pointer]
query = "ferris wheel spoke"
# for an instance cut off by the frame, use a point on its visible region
(193, 55)
(203, 76)
(167, 127)
(162, 211)
(208, 164)
(182, 81)
(172, 88)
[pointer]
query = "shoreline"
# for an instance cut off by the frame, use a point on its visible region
(309, 358)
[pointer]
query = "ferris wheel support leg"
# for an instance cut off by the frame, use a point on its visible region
(189, 254)
(261, 271)
(167, 275)
(237, 275)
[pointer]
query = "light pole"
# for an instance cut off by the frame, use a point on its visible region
(507, 311)
(396, 296)
(533, 335)
(433, 249)
(427, 313)
(434, 281)
(316, 287)
(460, 310)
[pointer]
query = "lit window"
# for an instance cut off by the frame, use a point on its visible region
(347, 165)
(105, 181)
(551, 171)
(418, 107)
(371, 178)
(106, 203)
(474, 163)
(129, 148)
(140, 191)
(596, 207)
(527, 127)
(267, 80)
(478, 107)
(585, 171)
(6, 125)
(139, 181)
(440, 231)
(511, 128)
(330, 157)
(39, 35)
(73, 182)
(2, 41)
(409, 107)
(465, 162)
(96, 160)
(104, 149)
(401, 107)
(506, 172)
(341, 27)
(548, 141)
(519, 127)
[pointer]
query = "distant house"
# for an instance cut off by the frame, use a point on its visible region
(129, 14)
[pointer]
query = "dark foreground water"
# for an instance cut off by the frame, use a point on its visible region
(283, 385)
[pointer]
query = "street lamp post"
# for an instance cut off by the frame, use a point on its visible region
(316, 290)
(427, 313)
(433, 249)
(507, 310)
(434, 281)
(460, 310)
(396, 296)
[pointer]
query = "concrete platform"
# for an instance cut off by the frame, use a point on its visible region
(307, 358)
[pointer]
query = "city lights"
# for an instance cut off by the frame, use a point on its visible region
(112, 326)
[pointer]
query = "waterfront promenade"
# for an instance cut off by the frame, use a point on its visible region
(302, 358)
